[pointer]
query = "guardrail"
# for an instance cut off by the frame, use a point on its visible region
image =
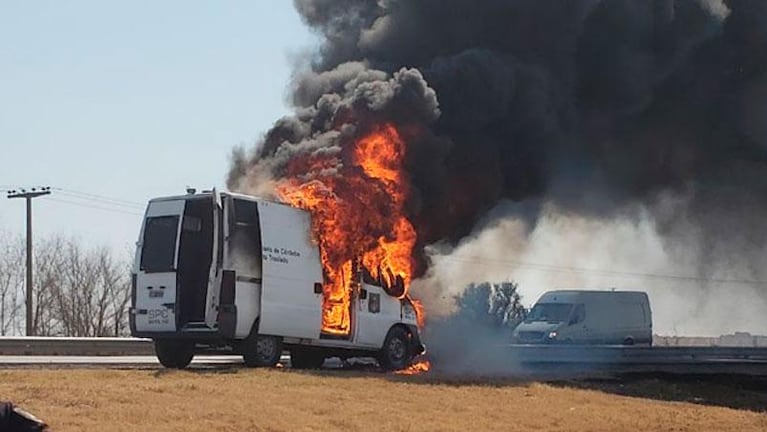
(616, 354)
(75, 346)
(523, 354)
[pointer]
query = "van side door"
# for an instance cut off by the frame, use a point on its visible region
(291, 287)
(577, 330)
(376, 313)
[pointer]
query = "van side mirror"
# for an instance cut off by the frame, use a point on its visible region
(363, 294)
(317, 288)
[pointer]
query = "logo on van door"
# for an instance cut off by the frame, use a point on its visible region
(158, 316)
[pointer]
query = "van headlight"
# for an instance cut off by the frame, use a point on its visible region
(552, 335)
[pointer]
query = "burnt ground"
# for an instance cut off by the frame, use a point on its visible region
(736, 391)
(730, 390)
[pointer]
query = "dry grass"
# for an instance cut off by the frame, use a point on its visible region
(245, 400)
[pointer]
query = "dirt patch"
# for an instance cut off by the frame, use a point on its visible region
(269, 400)
(730, 390)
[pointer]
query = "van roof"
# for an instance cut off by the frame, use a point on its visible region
(585, 291)
(207, 193)
(571, 295)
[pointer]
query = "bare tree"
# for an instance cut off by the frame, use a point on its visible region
(91, 296)
(11, 281)
(120, 299)
(78, 291)
(49, 265)
(110, 314)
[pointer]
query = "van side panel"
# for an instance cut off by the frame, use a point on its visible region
(247, 297)
(612, 317)
(290, 306)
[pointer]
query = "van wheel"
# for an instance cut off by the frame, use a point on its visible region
(628, 341)
(261, 351)
(174, 354)
(395, 353)
(301, 358)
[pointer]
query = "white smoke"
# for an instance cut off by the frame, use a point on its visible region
(695, 289)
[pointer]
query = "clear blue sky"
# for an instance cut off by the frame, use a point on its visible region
(132, 100)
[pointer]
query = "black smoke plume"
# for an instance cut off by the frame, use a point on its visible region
(586, 103)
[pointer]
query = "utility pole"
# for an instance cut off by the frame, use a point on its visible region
(28, 195)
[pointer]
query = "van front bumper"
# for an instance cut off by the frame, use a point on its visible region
(416, 346)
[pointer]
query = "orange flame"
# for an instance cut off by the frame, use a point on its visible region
(419, 312)
(358, 218)
(415, 368)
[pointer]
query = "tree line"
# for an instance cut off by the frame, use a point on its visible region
(493, 305)
(78, 290)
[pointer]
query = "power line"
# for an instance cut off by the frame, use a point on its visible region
(93, 206)
(103, 198)
(549, 268)
(124, 206)
(100, 201)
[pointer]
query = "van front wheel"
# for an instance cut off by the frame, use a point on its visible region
(395, 353)
(174, 354)
(261, 351)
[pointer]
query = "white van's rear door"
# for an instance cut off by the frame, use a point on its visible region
(290, 305)
(214, 275)
(157, 263)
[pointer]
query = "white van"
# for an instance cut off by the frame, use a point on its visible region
(222, 272)
(588, 317)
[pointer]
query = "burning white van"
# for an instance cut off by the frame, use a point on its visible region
(588, 317)
(223, 272)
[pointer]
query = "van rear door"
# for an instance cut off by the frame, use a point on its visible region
(290, 303)
(157, 262)
(214, 274)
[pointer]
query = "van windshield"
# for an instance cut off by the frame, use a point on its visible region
(552, 312)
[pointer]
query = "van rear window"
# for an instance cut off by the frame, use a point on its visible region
(159, 244)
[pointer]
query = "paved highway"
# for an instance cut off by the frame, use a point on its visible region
(137, 362)
(112, 361)
(556, 359)
(549, 368)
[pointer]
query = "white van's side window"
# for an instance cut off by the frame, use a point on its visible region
(634, 313)
(579, 314)
(245, 235)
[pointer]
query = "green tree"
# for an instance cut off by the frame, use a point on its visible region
(495, 305)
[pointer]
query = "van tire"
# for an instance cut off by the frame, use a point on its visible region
(174, 354)
(261, 350)
(396, 353)
(302, 358)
